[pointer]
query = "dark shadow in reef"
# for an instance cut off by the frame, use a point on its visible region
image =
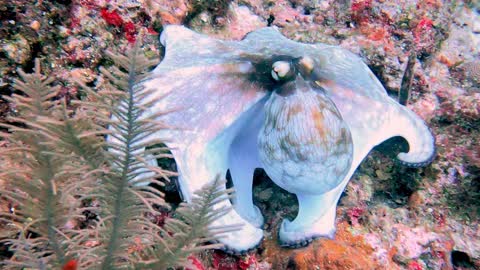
(461, 259)
(403, 181)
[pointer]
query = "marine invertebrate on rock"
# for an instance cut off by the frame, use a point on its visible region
(225, 96)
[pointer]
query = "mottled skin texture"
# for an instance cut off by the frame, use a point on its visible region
(304, 144)
(217, 91)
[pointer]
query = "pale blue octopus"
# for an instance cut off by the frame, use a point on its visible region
(306, 113)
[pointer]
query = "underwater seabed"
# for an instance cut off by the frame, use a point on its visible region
(390, 216)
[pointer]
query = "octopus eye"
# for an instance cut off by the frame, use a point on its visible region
(306, 63)
(280, 70)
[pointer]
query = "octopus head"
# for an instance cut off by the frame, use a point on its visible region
(287, 69)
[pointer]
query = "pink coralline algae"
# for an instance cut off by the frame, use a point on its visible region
(90, 4)
(195, 262)
(423, 33)
(412, 242)
(456, 103)
(222, 261)
(249, 262)
(355, 214)
(360, 10)
(414, 265)
(361, 5)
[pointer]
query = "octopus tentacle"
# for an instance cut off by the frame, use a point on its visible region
(316, 218)
(321, 224)
(209, 160)
(243, 160)
(295, 130)
(360, 96)
(230, 251)
(421, 142)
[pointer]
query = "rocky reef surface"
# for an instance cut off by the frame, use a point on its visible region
(390, 217)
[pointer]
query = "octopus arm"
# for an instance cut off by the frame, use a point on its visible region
(208, 107)
(212, 106)
(421, 142)
(370, 113)
(346, 70)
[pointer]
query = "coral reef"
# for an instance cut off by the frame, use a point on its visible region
(346, 251)
(437, 204)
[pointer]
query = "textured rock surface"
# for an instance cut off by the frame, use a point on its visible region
(385, 204)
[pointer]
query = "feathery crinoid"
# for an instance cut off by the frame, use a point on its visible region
(59, 159)
(38, 181)
(127, 236)
(126, 207)
(191, 231)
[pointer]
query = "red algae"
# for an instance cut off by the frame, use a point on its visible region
(70, 265)
(223, 261)
(360, 11)
(423, 34)
(414, 265)
(249, 262)
(114, 19)
(378, 34)
(360, 5)
(111, 17)
(130, 31)
(355, 214)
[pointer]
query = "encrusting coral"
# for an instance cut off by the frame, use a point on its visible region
(345, 252)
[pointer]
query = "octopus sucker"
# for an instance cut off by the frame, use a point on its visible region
(306, 113)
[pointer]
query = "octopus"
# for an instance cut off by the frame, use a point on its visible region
(308, 114)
